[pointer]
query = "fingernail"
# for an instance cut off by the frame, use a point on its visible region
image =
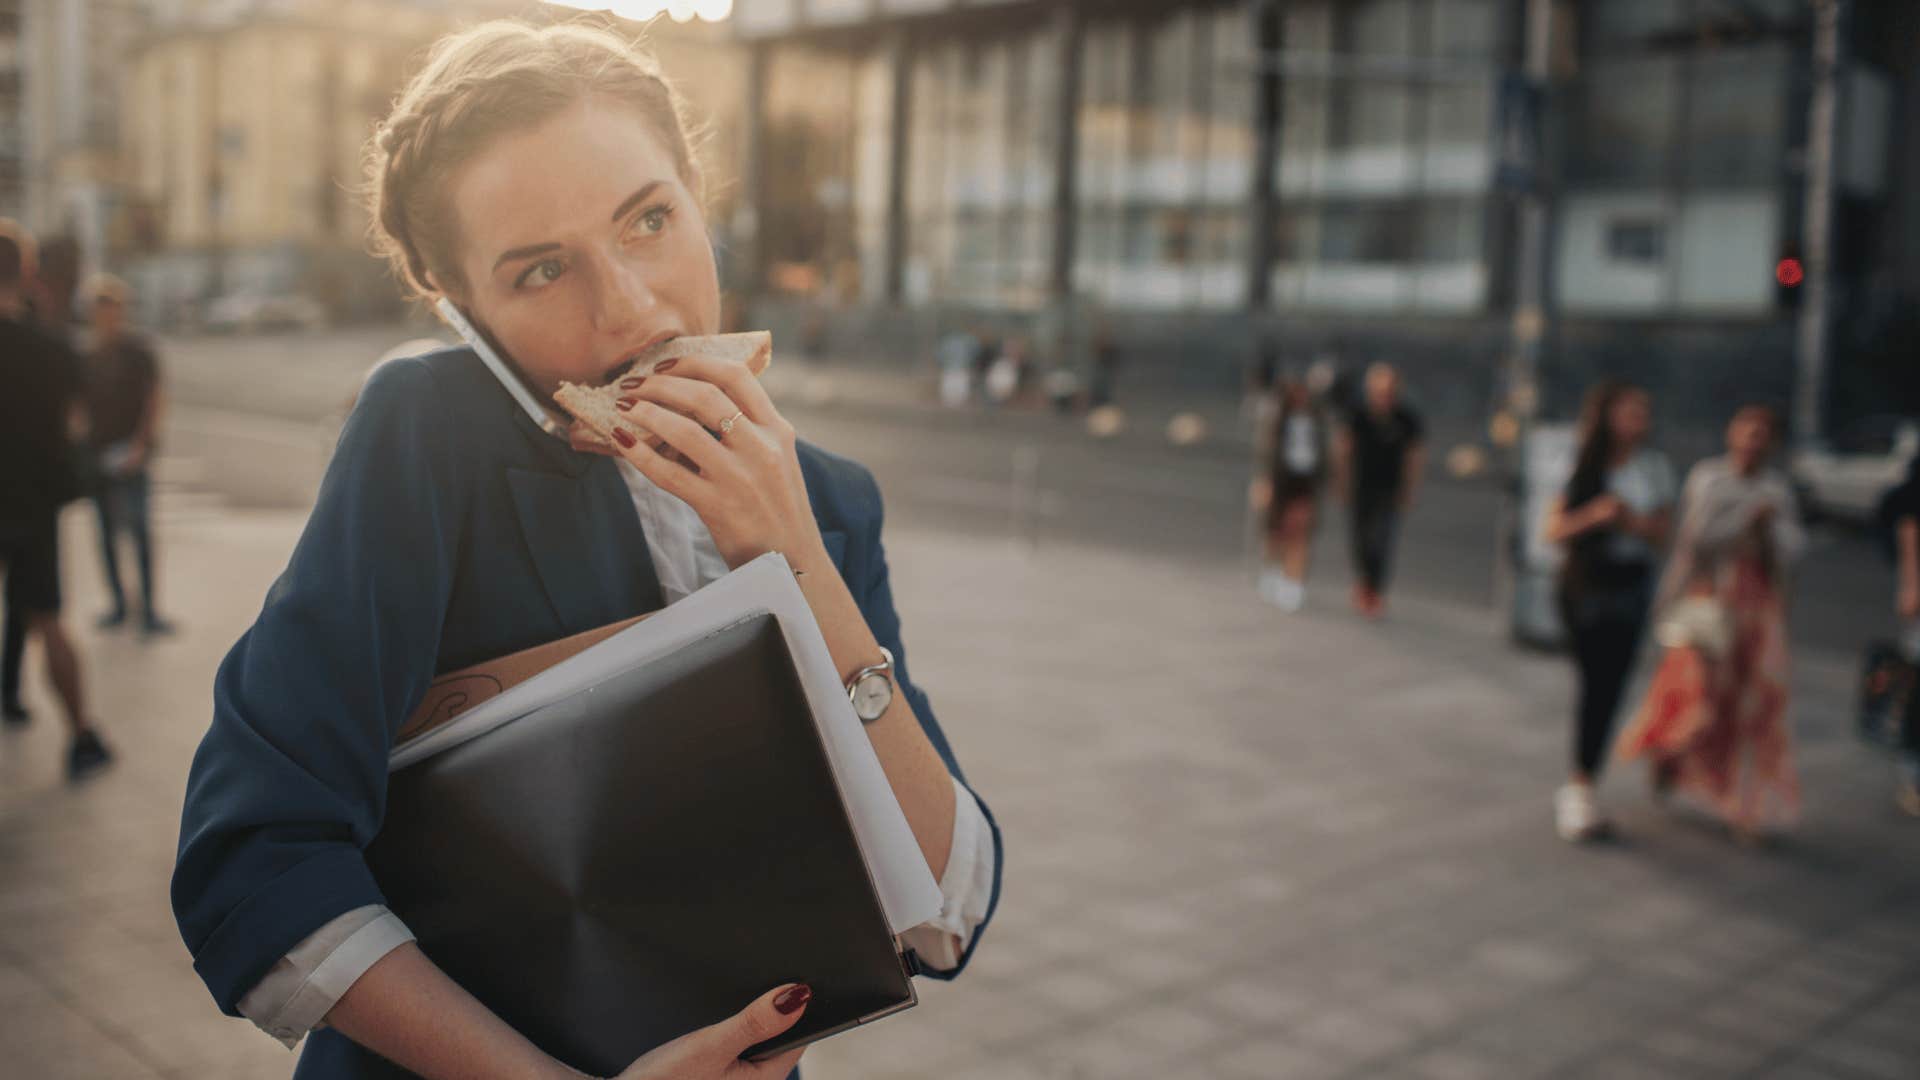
(665, 365)
(793, 999)
(632, 382)
(626, 402)
(624, 437)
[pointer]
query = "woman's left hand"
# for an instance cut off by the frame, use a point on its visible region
(742, 478)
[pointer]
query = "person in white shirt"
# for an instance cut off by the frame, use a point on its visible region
(1292, 462)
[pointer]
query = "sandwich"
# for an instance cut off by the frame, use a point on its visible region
(597, 409)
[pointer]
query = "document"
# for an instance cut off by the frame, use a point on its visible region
(907, 891)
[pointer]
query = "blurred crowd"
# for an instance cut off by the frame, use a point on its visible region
(80, 415)
(1704, 564)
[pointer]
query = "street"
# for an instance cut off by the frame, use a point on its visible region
(256, 418)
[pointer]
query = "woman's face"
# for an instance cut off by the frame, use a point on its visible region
(581, 245)
(1629, 416)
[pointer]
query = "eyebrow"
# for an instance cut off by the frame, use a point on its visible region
(634, 199)
(619, 212)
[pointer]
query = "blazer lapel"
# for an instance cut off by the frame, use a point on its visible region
(592, 559)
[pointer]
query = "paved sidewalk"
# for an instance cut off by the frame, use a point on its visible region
(1240, 844)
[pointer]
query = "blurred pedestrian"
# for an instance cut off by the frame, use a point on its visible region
(1378, 460)
(1007, 375)
(1293, 457)
(38, 411)
(1902, 513)
(48, 304)
(1713, 724)
(1613, 520)
(1104, 382)
(123, 406)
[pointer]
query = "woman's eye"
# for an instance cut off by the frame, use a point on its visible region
(541, 273)
(654, 219)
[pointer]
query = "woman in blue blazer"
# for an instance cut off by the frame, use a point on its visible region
(543, 181)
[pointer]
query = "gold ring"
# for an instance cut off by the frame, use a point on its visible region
(726, 426)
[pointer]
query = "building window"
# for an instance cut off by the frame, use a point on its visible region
(1165, 165)
(981, 175)
(1636, 240)
(1385, 154)
(1675, 166)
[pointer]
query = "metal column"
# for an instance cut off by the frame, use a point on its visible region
(899, 132)
(1070, 29)
(1815, 338)
(1266, 145)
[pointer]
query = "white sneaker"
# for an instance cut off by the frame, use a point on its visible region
(1290, 595)
(1576, 814)
(1269, 586)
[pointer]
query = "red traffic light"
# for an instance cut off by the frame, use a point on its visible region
(1789, 272)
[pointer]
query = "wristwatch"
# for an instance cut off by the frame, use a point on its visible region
(871, 689)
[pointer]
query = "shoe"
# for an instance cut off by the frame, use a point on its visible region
(1576, 815)
(87, 756)
(1290, 595)
(155, 626)
(14, 714)
(111, 620)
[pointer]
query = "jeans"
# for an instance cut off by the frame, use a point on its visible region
(1376, 519)
(122, 505)
(1604, 625)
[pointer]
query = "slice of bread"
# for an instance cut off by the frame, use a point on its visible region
(594, 406)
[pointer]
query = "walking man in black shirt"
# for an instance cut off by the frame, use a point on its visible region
(1378, 459)
(123, 409)
(39, 395)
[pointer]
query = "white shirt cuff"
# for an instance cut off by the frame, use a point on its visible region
(966, 888)
(295, 996)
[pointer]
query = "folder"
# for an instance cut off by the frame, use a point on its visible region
(669, 818)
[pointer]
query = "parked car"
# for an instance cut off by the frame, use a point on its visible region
(1844, 477)
(257, 312)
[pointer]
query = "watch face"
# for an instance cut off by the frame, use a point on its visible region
(871, 696)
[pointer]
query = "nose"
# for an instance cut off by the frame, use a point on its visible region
(623, 296)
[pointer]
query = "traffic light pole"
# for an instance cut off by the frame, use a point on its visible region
(1810, 385)
(1530, 298)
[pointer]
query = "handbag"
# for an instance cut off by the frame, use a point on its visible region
(1696, 621)
(1888, 682)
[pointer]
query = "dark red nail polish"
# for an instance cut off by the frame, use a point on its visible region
(627, 402)
(666, 365)
(624, 437)
(632, 382)
(793, 1000)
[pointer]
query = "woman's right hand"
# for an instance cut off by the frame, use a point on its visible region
(1605, 510)
(713, 1052)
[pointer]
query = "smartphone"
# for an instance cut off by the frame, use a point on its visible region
(541, 414)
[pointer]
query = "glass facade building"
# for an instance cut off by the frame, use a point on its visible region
(1330, 170)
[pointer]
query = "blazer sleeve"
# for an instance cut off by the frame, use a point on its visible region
(876, 602)
(289, 783)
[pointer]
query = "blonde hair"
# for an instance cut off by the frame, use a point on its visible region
(477, 84)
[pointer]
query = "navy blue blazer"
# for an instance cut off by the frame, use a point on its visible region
(449, 530)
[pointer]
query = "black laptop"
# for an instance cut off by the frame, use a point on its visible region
(644, 858)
